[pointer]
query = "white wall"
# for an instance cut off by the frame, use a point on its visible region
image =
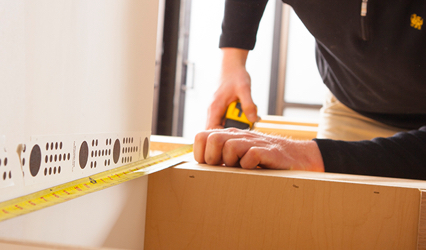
(74, 71)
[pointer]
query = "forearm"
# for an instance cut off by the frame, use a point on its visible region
(402, 156)
(240, 23)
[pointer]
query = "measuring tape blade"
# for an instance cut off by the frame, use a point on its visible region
(70, 190)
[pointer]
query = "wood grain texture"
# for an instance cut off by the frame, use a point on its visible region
(190, 208)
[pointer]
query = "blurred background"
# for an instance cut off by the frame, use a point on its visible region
(285, 79)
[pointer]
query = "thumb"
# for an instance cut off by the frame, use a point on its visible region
(249, 108)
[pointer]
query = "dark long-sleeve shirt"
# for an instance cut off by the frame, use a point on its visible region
(373, 63)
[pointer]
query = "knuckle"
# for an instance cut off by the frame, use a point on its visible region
(214, 138)
(254, 153)
(200, 137)
(230, 146)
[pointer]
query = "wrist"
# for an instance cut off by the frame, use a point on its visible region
(308, 156)
(234, 57)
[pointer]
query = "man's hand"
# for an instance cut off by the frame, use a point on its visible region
(235, 85)
(246, 149)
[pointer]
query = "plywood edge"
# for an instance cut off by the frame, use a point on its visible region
(286, 126)
(166, 143)
(288, 120)
(421, 234)
(298, 174)
(296, 132)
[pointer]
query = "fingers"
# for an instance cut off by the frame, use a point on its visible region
(232, 147)
(215, 144)
(249, 108)
(247, 149)
(208, 145)
(215, 114)
(219, 106)
(234, 150)
(259, 156)
(247, 154)
(200, 145)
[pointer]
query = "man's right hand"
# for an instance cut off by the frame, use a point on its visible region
(235, 84)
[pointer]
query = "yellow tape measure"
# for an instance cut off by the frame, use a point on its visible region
(235, 117)
(64, 192)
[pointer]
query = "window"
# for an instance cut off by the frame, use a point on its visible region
(300, 91)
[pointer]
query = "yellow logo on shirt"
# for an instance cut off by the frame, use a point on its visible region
(416, 21)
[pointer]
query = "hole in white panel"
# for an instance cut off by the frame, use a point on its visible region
(116, 151)
(145, 147)
(35, 160)
(83, 155)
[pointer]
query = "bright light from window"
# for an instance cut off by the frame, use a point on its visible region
(303, 82)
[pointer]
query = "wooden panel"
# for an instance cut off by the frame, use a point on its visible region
(197, 207)
(162, 143)
(289, 121)
(297, 132)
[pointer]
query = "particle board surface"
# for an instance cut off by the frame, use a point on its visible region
(195, 206)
